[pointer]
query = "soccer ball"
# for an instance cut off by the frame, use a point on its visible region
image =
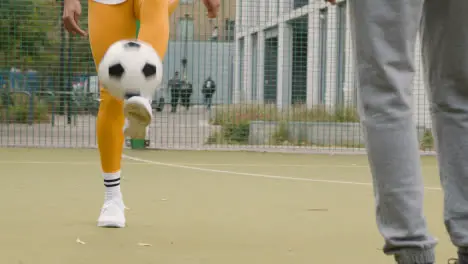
(131, 68)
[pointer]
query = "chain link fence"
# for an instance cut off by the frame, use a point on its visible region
(283, 71)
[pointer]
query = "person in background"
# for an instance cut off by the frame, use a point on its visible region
(214, 34)
(185, 94)
(208, 89)
(175, 86)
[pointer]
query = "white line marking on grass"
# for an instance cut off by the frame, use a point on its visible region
(257, 175)
(273, 165)
(59, 162)
(285, 165)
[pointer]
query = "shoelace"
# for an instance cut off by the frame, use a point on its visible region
(109, 198)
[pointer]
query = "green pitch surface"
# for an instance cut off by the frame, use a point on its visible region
(197, 208)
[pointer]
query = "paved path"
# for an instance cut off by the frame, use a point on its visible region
(185, 129)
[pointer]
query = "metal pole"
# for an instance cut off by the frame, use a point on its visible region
(69, 81)
(184, 60)
(61, 76)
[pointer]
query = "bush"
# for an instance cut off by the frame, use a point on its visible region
(235, 119)
(19, 113)
(235, 114)
(427, 141)
(281, 135)
(236, 133)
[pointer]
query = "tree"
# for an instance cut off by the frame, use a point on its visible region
(28, 36)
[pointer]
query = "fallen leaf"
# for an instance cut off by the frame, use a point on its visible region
(317, 210)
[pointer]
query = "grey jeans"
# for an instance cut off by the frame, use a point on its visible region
(384, 34)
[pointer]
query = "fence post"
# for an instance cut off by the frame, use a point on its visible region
(31, 90)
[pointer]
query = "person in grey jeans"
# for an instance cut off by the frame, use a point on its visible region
(384, 34)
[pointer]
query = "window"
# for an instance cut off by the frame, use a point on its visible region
(323, 39)
(229, 30)
(254, 67)
(300, 3)
(185, 29)
(340, 52)
(278, 8)
(299, 60)
(270, 69)
(241, 68)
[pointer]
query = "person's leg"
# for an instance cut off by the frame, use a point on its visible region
(445, 42)
(108, 24)
(207, 101)
(154, 29)
(173, 4)
(174, 100)
(183, 96)
(186, 99)
(154, 22)
(210, 99)
(384, 33)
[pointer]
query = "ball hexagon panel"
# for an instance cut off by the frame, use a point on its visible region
(149, 70)
(132, 44)
(129, 95)
(116, 71)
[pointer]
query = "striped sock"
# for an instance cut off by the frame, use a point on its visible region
(112, 184)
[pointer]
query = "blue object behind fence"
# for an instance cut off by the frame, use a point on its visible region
(20, 81)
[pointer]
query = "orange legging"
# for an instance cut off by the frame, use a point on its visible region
(111, 23)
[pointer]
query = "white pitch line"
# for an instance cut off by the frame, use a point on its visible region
(185, 163)
(257, 175)
(57, 162)
(272, 165)
(198, 164)
(284, 165)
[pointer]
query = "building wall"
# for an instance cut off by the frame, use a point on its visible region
(204, 59)
(202, 25)
(331, 77)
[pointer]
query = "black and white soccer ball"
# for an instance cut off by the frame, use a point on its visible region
(131, 68)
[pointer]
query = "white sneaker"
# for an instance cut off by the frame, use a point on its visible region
(138, 113)
(112, 214)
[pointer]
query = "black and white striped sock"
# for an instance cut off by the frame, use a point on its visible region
(112, 184)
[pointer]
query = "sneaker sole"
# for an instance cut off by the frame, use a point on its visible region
(111, 224)
(138, 120)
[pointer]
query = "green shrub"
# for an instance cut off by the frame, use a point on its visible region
(281, 135)
(235, 119)
(19, 113)
(237, 133)
(427, 141)
(234, 114)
